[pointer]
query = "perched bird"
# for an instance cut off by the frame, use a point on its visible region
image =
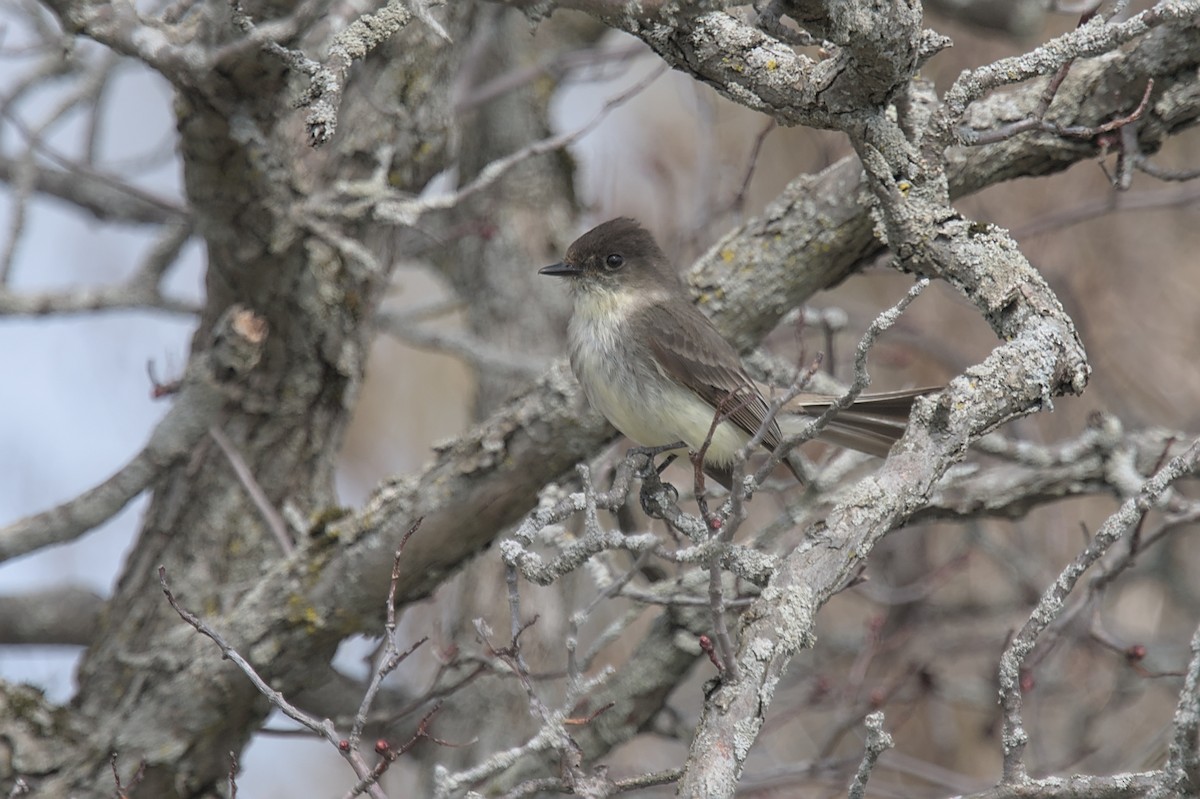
(658, 369)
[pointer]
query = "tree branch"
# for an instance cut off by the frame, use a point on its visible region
(206, 388)
(53, 616)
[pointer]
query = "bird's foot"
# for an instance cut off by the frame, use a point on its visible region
(656, 496)
(650, 453)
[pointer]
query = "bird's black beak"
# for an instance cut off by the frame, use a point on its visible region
(560, 270)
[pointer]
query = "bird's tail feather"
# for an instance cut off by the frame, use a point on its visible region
(872, 424)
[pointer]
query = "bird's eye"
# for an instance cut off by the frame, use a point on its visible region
(614, 261)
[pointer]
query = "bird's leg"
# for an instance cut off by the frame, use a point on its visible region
(654, 452)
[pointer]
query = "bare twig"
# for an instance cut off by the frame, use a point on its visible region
(473, 351)
(391, 656)
(1110, 203)
(1182, 770)
(406, 210)
(105, 197)
(91, 300)
(83, 93)
(1091, 39)
(324, 728)
(579, 617)
(861, 379)
(1053, 600)
(554, 67)
(878, 742)
(270, 516)
(388, 754)
(718, 607)
(1037, 118)
(122, 789)
(277, 699)
(141, 291)
(231, 782)
(1144, 164)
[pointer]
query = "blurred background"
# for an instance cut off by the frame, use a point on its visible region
(75, 404)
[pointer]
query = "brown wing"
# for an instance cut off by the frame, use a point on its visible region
(691, 351)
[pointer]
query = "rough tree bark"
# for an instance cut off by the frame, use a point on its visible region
(300, 245)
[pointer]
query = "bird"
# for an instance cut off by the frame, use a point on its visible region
(659, 370)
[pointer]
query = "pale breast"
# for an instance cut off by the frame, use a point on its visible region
(621, 381)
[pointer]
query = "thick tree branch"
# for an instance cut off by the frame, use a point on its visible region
(50, 616)
(814, 235)
(206, 388)
(488, 478)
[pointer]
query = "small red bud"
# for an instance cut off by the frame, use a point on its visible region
(1027, 682)
(382, 746)
(344, 745)
(1135, 653)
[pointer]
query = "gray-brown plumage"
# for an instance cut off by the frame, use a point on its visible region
(658, 369)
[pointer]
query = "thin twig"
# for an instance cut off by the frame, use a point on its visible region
(392, 656)
(1110, 203)
(323, 728)
(245, 476)
(407, 211)
(878, 742)
(861, 378)
(1053, 601)
(231, 780)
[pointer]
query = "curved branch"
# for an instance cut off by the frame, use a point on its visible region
(812, 236)
(203, 393)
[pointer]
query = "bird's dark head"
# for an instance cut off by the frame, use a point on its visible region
(618, 254)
